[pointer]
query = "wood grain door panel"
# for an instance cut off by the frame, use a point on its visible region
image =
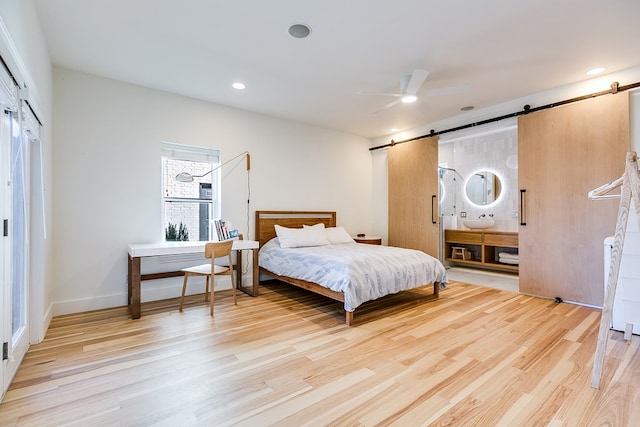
(413, 189)
(564, 153)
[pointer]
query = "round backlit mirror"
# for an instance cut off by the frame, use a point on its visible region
(483, 188)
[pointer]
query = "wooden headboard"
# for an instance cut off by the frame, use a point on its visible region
(265, 221)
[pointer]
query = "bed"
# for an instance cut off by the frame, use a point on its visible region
(345, 271)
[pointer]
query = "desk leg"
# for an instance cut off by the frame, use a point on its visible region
(256, 274)
(134, 287)
(239, 270)
(254, 290)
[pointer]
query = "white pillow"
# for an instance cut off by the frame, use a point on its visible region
(318, 225)
(301, 237)
(335, 235)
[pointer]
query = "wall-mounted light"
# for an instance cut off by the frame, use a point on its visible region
(187, 177)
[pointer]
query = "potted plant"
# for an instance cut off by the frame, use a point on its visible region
(176, 233)
(183, 233)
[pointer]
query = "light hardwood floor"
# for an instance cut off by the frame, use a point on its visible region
(490, 278)
(477, 356)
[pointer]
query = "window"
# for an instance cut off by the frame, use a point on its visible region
(189, 207)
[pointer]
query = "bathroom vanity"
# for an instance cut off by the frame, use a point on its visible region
(480, 248)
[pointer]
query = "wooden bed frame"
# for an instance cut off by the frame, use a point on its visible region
(265, 231)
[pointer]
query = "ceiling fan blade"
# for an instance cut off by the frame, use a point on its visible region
(380, 94)
(416, 81)
(387, 106)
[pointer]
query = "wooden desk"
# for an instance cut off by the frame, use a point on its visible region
(138, 251)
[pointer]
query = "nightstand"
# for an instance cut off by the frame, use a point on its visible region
(369, 240)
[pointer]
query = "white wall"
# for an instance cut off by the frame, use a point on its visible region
(29, 61)
(379, 156)
(108, 177)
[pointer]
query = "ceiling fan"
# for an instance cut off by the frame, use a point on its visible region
(410, 85)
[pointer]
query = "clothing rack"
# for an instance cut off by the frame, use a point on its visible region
(630, 182)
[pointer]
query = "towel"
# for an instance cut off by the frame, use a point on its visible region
(508, 258)
(508, 255)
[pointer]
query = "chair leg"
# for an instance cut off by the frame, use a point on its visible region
(206, 290)
(184, 289)
(212, 295)
(233, 282)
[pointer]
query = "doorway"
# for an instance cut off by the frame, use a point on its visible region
(14, 152)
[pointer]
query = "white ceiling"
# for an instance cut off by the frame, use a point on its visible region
(492, 51)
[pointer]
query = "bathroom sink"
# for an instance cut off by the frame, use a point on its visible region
(478, 224)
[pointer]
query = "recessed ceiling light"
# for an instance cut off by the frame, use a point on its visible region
(467, 108)
(407, 99)
(299, 31)
(594, 71)
(238, 85)
(394, 130)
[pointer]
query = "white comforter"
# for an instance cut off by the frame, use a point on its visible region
(362, 272)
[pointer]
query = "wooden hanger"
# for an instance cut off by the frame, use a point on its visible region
(600, 193)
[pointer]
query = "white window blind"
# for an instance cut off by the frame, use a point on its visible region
(190, 152)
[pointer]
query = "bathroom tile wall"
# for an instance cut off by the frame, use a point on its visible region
(494, 151)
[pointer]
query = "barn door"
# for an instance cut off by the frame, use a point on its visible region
(413, 195)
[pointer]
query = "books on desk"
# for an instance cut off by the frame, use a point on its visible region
(223, 230)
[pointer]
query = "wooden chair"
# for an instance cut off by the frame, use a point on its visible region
(212, 250)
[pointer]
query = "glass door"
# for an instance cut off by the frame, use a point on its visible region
(448, 190)
(15, 152)
(5, 246)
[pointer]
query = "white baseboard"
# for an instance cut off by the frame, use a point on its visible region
(38, 329)
(46, 321)
(89, 304)
(151, 290)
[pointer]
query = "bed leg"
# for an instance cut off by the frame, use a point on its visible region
(436, 289)
(349, 318)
